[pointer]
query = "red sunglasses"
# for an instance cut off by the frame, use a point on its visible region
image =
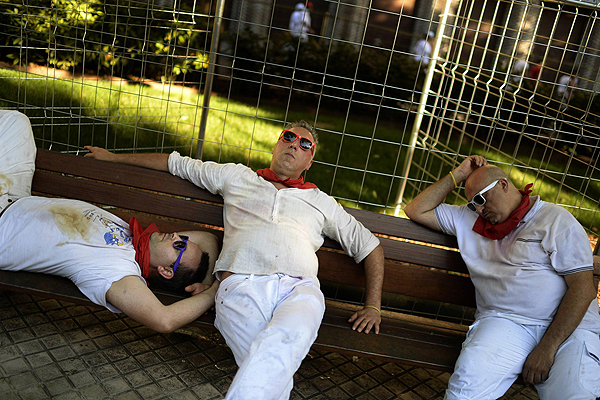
(291, 137)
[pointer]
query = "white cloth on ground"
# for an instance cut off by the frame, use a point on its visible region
(519, 70)
(68, 238)
(17, 157)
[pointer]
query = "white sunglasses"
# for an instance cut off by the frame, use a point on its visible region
(478, 199)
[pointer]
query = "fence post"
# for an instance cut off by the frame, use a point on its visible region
(422, 104)
(210, 72)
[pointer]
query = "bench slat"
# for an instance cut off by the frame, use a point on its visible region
(143, 178)
(126, 175)
(423, 255)
(119, 196)
(400, 279)
(402, 228)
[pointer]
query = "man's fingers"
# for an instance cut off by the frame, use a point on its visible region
(353, 317)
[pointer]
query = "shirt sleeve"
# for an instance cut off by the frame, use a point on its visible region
(355, 239)
(205, 174)
(570, 250)
(448, 217)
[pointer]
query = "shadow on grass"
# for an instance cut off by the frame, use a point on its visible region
(65, 121)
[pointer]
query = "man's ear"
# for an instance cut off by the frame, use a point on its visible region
(165, 272)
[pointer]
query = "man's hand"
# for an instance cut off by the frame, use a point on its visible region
(366, 319)
(468, 166)
(99, 153)
(198, 288)
(537, 365)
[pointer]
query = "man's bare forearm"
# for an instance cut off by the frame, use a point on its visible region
(430, 198)
(374, 270)
(420, 209)
(570, 312)
(158, 161)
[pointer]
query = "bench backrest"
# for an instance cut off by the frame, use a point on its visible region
(420, 262)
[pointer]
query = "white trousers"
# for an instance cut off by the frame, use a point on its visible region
(17, 157)
(269, 322)
(495, 350)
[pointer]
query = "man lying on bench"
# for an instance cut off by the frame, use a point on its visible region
(109, 260)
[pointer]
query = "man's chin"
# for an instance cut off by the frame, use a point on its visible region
(492, 220)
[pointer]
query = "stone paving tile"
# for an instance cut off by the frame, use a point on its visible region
(58, 350)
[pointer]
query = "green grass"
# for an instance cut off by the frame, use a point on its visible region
(125, 115)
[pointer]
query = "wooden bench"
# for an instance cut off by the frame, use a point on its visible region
(420, 264)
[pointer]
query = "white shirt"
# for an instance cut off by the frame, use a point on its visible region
(300, 22)
(271, 231)
(422, 51)
(519, 277)
(68, 238)
(519, 69)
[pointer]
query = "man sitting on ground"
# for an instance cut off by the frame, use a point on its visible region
(269, 306)
(109, 260)
(532, 267)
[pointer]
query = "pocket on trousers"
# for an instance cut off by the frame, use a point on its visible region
(470, 333)
(589, 370)
(230, 285)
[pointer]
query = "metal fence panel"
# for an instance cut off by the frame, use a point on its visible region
(515, 81)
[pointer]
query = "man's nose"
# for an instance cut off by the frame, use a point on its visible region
(479, 209)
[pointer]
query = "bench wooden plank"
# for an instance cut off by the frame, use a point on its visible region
(401, 228)
(402, 279)
(126, 175)
(159, 181)
(124, 197)
(47, 183)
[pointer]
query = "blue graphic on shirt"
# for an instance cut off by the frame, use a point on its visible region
(116, 234)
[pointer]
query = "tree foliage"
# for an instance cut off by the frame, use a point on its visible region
(122, 37)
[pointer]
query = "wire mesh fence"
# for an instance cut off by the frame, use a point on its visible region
(518, 83)
(395, 106)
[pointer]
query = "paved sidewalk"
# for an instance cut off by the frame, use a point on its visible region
(51, 349)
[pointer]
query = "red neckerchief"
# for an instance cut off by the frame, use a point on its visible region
(295, 183)
(141, 240)
(498, 231)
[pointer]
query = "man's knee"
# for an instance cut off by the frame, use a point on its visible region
(491, 359)
(17, 156)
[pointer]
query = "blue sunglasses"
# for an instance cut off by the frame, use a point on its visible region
(180, 245)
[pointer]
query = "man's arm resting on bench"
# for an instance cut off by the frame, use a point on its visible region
(158, 161)
(368, 318)
(133, 297)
